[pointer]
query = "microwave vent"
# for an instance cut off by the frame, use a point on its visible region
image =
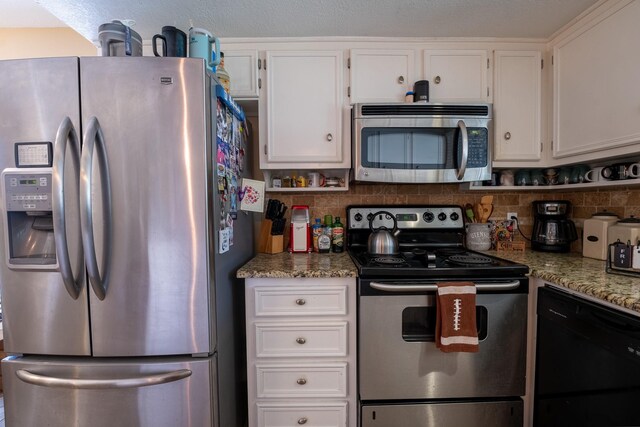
(425, 110)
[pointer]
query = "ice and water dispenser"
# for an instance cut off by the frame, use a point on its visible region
(29, 234)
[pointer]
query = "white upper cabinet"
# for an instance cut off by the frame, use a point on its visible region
(242, 66)
(596, 86)
(302, 110)
(381, 75)
(517, 106)
(457, 75)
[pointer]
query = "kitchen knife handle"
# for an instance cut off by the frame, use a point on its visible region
(93, 137)
(427, 287)
(84, 384)
(465, 150)
(66, 133)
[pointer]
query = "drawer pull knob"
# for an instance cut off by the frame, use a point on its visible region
(300, 301)
(301, 381)
(401, 79)
(301, 340)
(507, 135)
(437, 80)
(302, 421)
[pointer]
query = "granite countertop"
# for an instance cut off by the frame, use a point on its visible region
(285, 265)
(584, 275)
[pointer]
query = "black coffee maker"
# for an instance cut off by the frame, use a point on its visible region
(552, 230)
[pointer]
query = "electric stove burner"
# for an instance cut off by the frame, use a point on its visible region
(470, 259)
(388, 260)
(446, 252)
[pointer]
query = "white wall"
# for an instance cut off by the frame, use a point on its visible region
(18, 43)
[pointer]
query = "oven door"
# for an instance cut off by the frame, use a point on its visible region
(398, 358)
(418, 150)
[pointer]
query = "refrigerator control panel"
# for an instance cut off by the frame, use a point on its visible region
(27, 191)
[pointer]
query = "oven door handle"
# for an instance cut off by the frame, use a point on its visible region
(398, 287)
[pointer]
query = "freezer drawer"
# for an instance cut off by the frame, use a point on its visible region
(447, 414)
(62, 392)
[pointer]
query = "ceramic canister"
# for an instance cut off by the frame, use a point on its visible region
(595, 241)
(478, 236)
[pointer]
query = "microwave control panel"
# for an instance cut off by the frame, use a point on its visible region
(27, 191)
(478, 148)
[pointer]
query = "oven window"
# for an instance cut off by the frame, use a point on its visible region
(419, 323)
(421, 148)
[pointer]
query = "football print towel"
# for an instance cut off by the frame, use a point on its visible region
(456, 317)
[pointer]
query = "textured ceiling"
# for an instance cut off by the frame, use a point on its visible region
(303, 18)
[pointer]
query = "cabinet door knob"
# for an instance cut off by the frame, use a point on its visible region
(302, 420)
(437, 80)
(329, 137)
(401, 79)
(301, 340)
(301, 381)
(507, 135)
(300, 301)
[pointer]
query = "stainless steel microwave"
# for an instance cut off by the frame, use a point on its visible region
(422, 142)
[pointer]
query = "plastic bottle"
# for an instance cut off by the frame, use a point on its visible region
(222, 74)
(324, 241)
(337, 236)
(316, 231)
(328, 227)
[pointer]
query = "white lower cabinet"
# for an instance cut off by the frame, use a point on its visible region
(301, 352)
(308, 415)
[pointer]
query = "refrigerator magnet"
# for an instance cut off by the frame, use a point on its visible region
(252, 197)
(224, 241)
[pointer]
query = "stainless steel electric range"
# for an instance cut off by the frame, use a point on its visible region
(403, 379)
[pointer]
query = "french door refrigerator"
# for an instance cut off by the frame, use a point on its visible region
(120, 307)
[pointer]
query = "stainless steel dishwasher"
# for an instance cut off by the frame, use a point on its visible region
(587, 363)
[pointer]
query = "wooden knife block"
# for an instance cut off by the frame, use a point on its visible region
(268, 244)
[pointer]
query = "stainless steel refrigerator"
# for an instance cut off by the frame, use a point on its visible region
(120, 305)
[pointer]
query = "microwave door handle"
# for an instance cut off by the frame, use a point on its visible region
(94, 138)
(66, 133)
(465, 150)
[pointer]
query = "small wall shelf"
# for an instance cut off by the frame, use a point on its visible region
(477, 186)
(341, 174)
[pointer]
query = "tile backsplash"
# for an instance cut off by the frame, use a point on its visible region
(624, 201)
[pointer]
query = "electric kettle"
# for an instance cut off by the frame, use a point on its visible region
(381, 240)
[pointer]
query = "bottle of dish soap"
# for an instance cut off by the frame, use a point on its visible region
(316, 231)
(222, 75)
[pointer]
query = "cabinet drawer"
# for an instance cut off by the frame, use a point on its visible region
(289, 415)
(277, 381)
(302, 339)
(301, 301)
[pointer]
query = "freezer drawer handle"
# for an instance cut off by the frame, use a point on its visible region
(87, 384)
(66, 132)
(391, 287)
(94, 137)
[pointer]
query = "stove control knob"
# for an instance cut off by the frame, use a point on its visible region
(428, 216)
(369, 216)
(358, 217)
(454, 216)
(442, 216)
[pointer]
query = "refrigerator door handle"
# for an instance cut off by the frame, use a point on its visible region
(66, 133)
(116, 383)
(94, 139)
